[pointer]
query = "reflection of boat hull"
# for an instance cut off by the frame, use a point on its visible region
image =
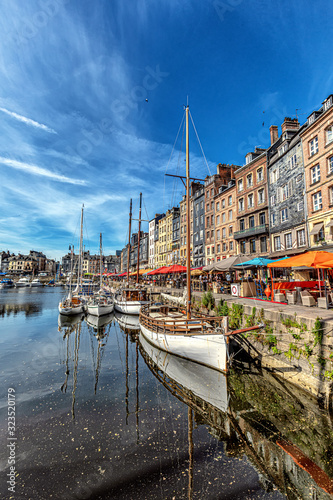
(205, 383)
(127, 321)
(65, 321)
(99, 321)
(208, 349)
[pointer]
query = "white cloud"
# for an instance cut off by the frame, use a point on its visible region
(35, 170)
(28, 121)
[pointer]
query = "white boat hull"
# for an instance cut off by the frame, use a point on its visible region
(71, 311)
(99, 310)
(209, 350)
(128, 307)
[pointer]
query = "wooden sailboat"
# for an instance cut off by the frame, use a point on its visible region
(129, 300)
(199, 339)
(100, 304)
(74, 304)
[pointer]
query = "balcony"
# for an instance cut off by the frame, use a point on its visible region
(251, 231)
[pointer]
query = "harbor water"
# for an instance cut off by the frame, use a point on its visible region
(88, 409)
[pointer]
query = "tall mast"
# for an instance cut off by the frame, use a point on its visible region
(129, 241)
(100, 260)
(188, 234)
(80, 254)
(138, 262)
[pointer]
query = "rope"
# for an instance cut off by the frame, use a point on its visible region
(202, 151)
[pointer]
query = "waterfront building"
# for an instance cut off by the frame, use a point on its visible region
(4, 261)
(143, 251)
(287, 221)
(26, 264)
(212, 186)
(161, 245)
(225, 221)
(112, 263)
(153, 234)
(199, 227)
(252, 233)
(317, 143)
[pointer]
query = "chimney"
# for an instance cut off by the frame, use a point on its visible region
(289, 124)
(274, 131)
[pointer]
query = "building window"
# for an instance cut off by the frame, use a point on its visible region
(329, 134)
(223, 203)
(293, 161)
(274, 175)
(240, 185)
(201, 220)
(301, 238)
(243, 246)
(316, 201)
(315, 174)
(251, 221)
(212, 220)
(249, 180)
(262, 218)
(273, 219)
(217, 220)
(212, 192)
(330, 164)
(230, 214)
(288, 241)
(223, 217)
(260, 174)
(273, 200)
(241, 225)
(277, 243)
(230, 200)
(252, 246)
(212, 205)
(241, 205)
(201, 205)
(250, 203)
(218, 234)
(300, 206)
(284, 214)
(313, 146)
(217, 206)
(230, 230)
(263, 244)
(261, 196)
(218, 248)
(224, 247)
(223, 233)
(231, 245)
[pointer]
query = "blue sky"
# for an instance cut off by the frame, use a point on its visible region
(75, 126)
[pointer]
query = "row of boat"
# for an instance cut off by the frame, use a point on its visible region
(22, 282)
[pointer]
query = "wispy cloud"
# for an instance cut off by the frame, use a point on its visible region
(35, 170)
(28, 121)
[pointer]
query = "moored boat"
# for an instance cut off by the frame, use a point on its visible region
(130, 300)
(99, 305)
(36, 282)
(6, 283)
(22, 282)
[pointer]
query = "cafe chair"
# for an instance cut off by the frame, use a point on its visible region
(307, 299)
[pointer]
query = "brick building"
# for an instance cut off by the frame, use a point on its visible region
(252, 233)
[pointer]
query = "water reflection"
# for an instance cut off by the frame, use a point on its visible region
(286, 437)
(29, 308)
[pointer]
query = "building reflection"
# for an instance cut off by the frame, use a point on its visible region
(28, 308)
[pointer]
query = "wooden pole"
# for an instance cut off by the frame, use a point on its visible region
(188, 233)
(138, 261)
(129, 240)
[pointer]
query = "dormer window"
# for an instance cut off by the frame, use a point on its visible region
(248, 158)
(328, 103)
(311, 119)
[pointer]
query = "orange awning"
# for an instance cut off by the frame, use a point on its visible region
(317, 259)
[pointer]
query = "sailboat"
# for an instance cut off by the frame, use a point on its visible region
(74, 304)
(129, 300)
(179, 332)
(100, 304)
